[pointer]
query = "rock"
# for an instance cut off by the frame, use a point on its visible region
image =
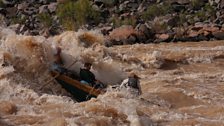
(44, 1)
(14, 27)
(106, 2)
(98, 2)
(45, 33)
(218, 21)
(125, 15)
(193, 34)
(9, 2)
(162, 37)
(3, 11)
(214, 2)
(218, 34)
(142, 38)
(181, 2)
(211, 29)
(108, 43)
(114, 42)
(173, 21)
(177, 7)
(31, 11)
(11, 11)
(106, 30)
(7, 107)
(218, 14)
(197, 27)
(27, 32)
(206, 33)
(221, 4)
(43, 9)
(202, 31)
(54, 30)
(196, 19)
(95, 7)
(201, 27)
(62, 1)
(122, 8)
(3, 22)
(34, 32)
(202, 37)
(122, 33)
(130, 40)
(105, 13)
(52, 7)
(22, 29)
(142, 28)
(133, 5)
(141, 8)
(22, 6)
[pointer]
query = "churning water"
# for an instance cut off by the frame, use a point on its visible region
(182, 83)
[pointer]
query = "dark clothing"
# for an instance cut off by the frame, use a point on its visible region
(133, 82)
(87, 76)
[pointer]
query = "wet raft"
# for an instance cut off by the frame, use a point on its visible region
(80, 91)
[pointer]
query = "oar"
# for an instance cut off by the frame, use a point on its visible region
(58, 74)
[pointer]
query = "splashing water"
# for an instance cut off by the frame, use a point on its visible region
(179, 82)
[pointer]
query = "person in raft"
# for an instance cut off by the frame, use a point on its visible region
(58, 63)
(87, 77)
(132, 83)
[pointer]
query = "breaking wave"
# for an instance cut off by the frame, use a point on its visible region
(176, 86)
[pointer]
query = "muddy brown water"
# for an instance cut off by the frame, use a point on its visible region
(182, 83)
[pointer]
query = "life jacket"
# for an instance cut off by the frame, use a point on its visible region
(133, 82)
(87, 76)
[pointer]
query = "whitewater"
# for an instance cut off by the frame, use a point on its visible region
(182, 83)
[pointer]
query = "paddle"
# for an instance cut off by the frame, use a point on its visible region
(58, 74)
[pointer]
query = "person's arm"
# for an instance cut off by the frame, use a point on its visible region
(57, 56)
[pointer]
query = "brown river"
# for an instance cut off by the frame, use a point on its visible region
(182, 83)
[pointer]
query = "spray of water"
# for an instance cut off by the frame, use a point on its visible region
(27, 59)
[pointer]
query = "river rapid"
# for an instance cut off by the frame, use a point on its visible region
(182, 83)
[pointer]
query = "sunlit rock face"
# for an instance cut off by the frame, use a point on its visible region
(182, 83)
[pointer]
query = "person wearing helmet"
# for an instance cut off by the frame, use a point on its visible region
(58, 63)
(87, 77)
(132, 82)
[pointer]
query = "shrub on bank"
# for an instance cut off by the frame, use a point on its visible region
(18, 19)
(206, 13)
(159, 27)
(109, 3)
(73, 14)
(117, 22)
(2, 4)
(156, 10)
(196, 4)
(45, 19)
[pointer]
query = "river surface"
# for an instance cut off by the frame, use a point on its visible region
(182, 83)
